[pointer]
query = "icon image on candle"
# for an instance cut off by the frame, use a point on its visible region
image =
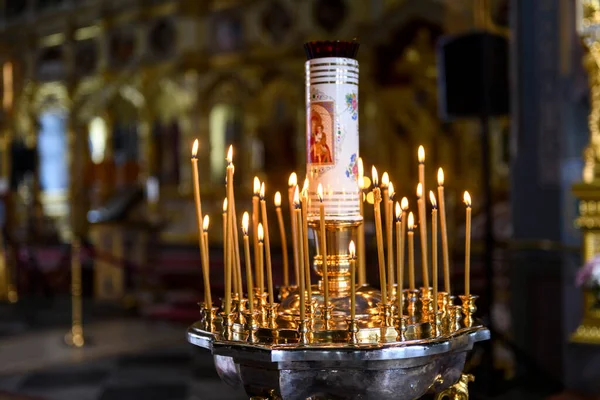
(320, 146)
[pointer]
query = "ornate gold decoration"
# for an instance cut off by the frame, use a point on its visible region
(588, 191)
(458, 391)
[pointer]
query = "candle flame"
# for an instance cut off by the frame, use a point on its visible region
(277, 199)
(261, 232)
(245, 221)
(391, 191)
(256, 186)
(375, 176)
(296, 197)
(229, 157)
(432, 199)
(419, 190)
(385, 180)
(293, 180)
(361, 182)
(205, 223)
(421, 154)
(404, 204)
(305, 186)
(195, 148)
(467, 199)
(352, 249)
(411, 221)
(262, 191)
(398, 211)
(225, 205)
(361, 167)
(440, 177)
(320, 192)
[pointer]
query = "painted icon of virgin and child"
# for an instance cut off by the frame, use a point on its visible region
(319, 152)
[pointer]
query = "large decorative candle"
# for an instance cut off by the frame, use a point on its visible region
(332, 128)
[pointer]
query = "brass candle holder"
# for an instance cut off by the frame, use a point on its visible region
(468, 308)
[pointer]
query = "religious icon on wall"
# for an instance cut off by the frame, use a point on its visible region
(320, 145)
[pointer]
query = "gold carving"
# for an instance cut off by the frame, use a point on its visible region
(458, 391)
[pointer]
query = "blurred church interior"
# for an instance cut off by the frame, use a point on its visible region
(102, 99)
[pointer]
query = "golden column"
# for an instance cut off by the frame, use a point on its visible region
(588, 191)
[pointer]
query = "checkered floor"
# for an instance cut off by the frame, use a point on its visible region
(177, 373)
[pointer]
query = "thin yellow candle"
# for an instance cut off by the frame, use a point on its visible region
(444, 232)
(255, 220)
(229, 261)
(362, 270)
(307, 280)
(352, 252)
(206, 271)
(467, 200)
(232, 223)
(199, 217)
(284, 249)
(323, 245)
(298, 228)
(423, 231)
(225, 229)
(378, 230)
(249, 283)
(261, 258)
(399, 258)
(411, 251)
(265, 221)
(236, 248)
(385, 183)
(292, 183)
(389, 228)
(434, 250)
(423, 217)
(404, 206)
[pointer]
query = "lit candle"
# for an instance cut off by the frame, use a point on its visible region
(467, 200)
(423, 231)
(399, 258)
(385, 183)
(323, 245)
(199, 217)
(389, 228)
(249, 283)
(434, 250)
(265, 221)
(411, 251)
(292, 183)
(403, 223)
(255, 220)
(205, 262)
(298, 228)
(378, 230)
(286, 272)
(423, 217)
(261, 258)
(232, 224)
(443, 226)
(362, 270)
(352, 252)
(307, 280)
(225, 230)
(229, 262)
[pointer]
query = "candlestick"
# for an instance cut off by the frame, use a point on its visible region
(389, 206)
(225, 208)
(265, 221)
(255, 220)
(199, 217)
(292, 183)
(443, 226)
(385, 182)
(286, 272)
(352, 252)
(399, 258)
(298, 228)
(467, 200)
(323, 246)
(236, 248)
(261, 260)
(423, 232)
(249, 283)
(377, 211)
(205, 261)
(411, 251)
(434, 250)
(362, 270)
(304, 205)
